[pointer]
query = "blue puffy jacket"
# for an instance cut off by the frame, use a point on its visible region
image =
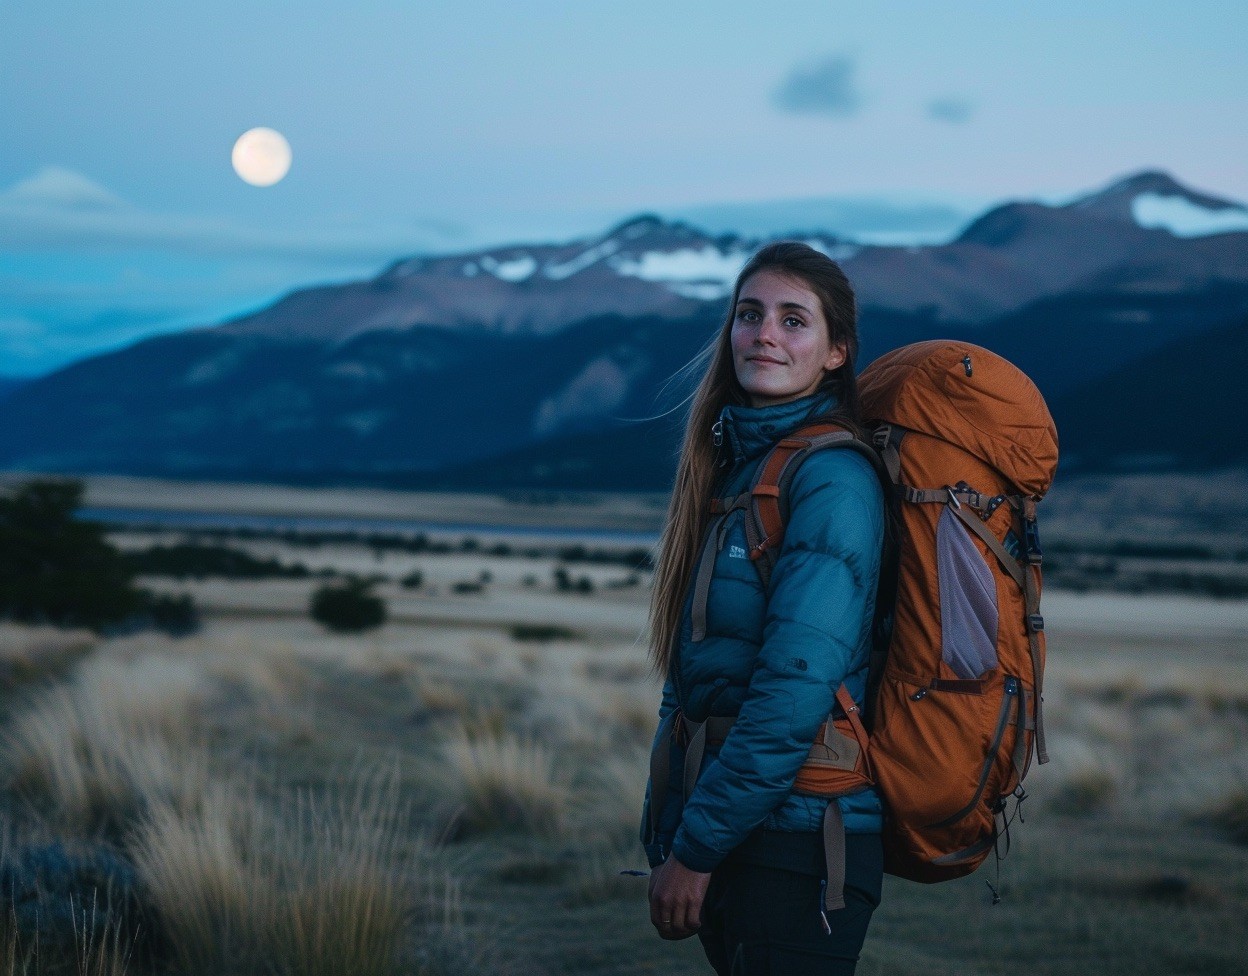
(774, 658)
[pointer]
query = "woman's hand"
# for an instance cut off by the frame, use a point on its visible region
(676, 895)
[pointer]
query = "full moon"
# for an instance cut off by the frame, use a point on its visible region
(261, 157)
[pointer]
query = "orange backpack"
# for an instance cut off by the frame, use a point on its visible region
(955, 691)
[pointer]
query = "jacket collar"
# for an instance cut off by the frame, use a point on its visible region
(749, 431)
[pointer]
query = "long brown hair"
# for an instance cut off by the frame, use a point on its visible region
(695, 472)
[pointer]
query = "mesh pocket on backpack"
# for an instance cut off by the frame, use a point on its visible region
(968, 600)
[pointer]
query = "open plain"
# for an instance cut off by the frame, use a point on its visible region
(458, 790)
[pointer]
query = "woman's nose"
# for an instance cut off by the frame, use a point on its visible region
(767, 331)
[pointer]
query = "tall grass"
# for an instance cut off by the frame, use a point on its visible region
(95, 950)
(89, 767)
(301, 886)
(507, 782)
(35, 653)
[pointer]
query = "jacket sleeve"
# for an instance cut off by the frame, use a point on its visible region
(819, 607)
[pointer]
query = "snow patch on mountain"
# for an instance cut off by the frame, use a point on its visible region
(592, 394)
(591, 255)
(701, 291)
(836, 250)
(1184, 218)
(702, 265)
(515, 269)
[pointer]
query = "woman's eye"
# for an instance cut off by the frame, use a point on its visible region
(793, 322)
(747, 315)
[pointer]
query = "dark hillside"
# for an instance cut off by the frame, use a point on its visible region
(1182, 406)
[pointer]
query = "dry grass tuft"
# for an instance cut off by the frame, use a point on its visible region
(34, 653)
(437, 697)
(302, 887)
(89, 767)
(506, 782)
(634, 714)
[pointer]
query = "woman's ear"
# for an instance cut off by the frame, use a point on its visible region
(836, 358)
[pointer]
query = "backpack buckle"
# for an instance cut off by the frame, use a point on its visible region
(1031, 538)
(1035, 623)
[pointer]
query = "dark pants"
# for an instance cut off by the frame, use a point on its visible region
(760, 919)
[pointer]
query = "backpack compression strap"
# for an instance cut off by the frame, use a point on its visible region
(1024, 572)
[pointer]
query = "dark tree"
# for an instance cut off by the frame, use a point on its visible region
(58, 569)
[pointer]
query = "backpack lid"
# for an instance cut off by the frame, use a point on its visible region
(989, 408)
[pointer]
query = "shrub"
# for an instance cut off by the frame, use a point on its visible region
(197, 560)
(542, 632)
(348, 607)
(175, 615)
(413, 580)
(564, 582)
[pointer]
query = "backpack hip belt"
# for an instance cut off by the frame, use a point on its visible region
(838, 764)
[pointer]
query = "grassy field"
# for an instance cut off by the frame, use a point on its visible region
(449, 795)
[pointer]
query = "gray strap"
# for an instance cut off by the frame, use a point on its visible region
(1019, 758)
(941, 496)
(834, 855)
(891, 457)
(693, 755)
(661, 768)
(1034, 624)
(706, 564)
(1008, 562)
(702, 584)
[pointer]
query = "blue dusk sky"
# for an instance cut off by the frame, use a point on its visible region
(433, 126)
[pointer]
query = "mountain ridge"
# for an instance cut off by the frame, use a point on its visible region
(443, 364)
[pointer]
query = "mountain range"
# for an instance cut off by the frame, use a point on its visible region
(560, 365)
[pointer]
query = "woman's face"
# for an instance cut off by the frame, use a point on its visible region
(780, 345)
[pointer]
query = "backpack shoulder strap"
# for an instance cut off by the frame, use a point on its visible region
(769, 508)
(768, 513)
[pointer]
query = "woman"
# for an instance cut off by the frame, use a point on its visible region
(740, 861)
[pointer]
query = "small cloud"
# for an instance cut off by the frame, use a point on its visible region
(825, 87)
(56, 186)
(952, 110)
(59, 209)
